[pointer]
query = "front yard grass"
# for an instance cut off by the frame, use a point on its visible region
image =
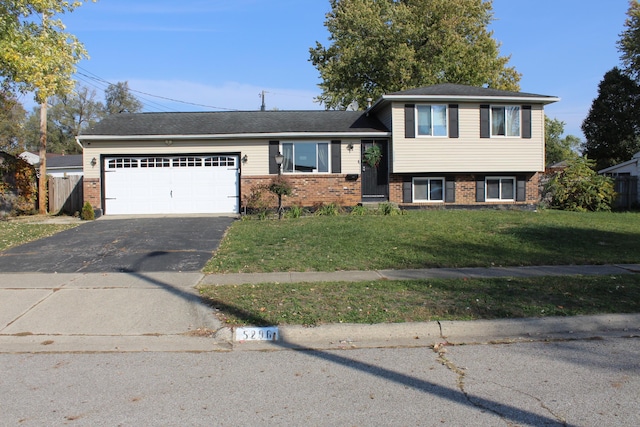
(14, 233)
(423, 239)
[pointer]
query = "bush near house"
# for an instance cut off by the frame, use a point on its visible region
(18, 187)
(578, 187)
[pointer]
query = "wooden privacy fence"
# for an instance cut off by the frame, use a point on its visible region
(627, 192)
(65, 194)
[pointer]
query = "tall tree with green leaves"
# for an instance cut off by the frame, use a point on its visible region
(37, 55)
(119, 99)
(67, 116)
(12, 117)
(629, 42)
(557, 147)
(382, 46)
(612, 127)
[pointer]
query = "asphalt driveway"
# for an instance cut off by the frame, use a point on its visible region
(122, 245)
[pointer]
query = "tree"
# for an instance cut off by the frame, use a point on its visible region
(579, 188)
(382, 46)
(612, 127)
(12, 117)
(119, 99)
(629, 42)
(557, 148)
(68, 115)
(37, 55)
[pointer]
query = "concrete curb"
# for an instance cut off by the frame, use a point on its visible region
(109, 344)
(427, 334)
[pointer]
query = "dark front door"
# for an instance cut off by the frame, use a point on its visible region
(375, 178)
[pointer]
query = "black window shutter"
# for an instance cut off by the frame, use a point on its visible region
(335, 157)
(453, 121)
(407, 191)
(450, 191)
(484, 121)
(521, 189)
(409, 121)
(526, 121)
(480, 189)
(274, 148)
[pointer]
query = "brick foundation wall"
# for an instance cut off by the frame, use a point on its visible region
(308, 190)
(466, 192)
(92, 190)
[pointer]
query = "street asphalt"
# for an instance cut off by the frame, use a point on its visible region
(161, 311)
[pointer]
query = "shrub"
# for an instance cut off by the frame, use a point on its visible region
(328, 209)
(359, 210)
(258, 201)
(280, 186)
(295, 211)
(579, 188)
(87, 212)
(388, 208)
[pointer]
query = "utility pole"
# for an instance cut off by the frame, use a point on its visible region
(263, 107)
(42, 179)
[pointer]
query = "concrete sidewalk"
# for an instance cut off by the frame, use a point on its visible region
(117, 312)
(426, 273)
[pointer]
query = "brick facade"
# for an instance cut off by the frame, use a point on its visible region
(308, 190)
(465, 192)
(92, 192)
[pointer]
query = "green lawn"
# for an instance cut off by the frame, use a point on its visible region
(423, 300)
(422, 239)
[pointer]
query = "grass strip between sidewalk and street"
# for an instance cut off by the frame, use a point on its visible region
(422, 300)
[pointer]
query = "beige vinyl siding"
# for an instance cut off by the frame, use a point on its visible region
(469, 152)
(257, 152)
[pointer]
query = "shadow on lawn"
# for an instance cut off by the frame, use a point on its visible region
(523, 246)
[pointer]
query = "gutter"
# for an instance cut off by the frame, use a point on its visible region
(233, 136)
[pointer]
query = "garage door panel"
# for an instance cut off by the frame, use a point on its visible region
(202, 184)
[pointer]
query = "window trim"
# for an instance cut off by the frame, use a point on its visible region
(500, 179)
(504, 107)
(417, 120)
(428, 179)
(314, 171)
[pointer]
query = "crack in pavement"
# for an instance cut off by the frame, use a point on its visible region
(440, 350)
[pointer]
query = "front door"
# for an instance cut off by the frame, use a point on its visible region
(375, 178)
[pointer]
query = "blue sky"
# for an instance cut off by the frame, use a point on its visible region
(219, 54)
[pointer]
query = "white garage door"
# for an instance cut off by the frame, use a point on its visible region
(171, 185)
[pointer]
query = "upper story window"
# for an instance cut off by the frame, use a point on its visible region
(306, 157)
(505, 121)
(432, 120)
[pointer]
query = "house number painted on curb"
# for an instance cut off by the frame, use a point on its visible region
(257, 334)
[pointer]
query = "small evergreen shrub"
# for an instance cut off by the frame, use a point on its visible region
(87, 212)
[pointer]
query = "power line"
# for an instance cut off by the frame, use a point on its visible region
(101, 80)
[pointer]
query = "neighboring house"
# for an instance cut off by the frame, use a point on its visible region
(445, 145)
(58, 165)
(627, 184)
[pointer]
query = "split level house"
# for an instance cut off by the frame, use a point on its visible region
(445, 145)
